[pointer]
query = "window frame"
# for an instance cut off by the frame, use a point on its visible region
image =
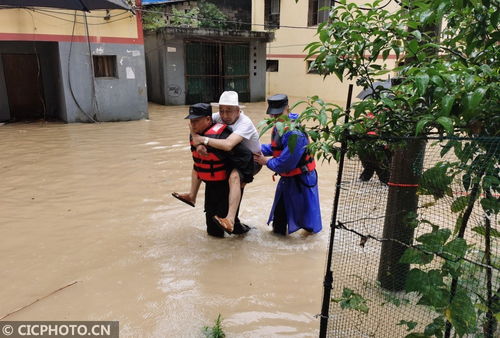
(105, 66)
(274, 62)
(314, 15)
(272, 10)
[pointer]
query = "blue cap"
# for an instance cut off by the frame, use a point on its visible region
(199, 110)
(276, 104)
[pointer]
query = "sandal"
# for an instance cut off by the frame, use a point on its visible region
(224, 224)
(182, 199)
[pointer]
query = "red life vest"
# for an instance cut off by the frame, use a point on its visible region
(211, 167)
(371, 116)
(306, 162)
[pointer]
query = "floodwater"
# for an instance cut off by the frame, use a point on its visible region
(91, 204)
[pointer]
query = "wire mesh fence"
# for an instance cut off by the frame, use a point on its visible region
(415, 240)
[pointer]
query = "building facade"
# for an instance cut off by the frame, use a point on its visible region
(71, 66)
(192, 63)
(186, 65)
(295, 26)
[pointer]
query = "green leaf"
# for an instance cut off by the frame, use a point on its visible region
(385, 54)
(447, 147)
(415, 256)
(459, 204)
(280, 127)
(422, 123)
(426, 16)
(413, 47)
(482, 231)
(447, 103)
(410, 325)
(446, 123)
(322, 117)
(292, 141)
(435, 328)
(421, 81)
(352, 300)
(417, 34)
(265, 129)
(490, 181)
(323, 35)
(476, 97)
(437, 80)
(423, 282)
(491, 205)
(469, 82)
(434, 240)
(461, 313)
(457, 247)
(435, 181)
(330, 61)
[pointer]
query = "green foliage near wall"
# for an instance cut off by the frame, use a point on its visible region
(204, 15)
(154, 18)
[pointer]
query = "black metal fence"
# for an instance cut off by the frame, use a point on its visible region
(414, 242)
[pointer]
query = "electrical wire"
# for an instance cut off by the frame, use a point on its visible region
(254, 24)
(143, 10)
(95, 104)
(225, 21)
(55, 11)
(69, 75)
(39, 72)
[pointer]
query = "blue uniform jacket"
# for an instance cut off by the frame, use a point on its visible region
(299, 193)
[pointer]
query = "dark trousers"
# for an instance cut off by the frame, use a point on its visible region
(216, 204)
(379, 163)
(280, 221)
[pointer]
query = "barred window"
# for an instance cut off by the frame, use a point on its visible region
(105, 66)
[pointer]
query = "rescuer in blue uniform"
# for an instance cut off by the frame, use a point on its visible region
(296, 202)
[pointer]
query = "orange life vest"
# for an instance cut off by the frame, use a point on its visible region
(306, 162)
(211, 167)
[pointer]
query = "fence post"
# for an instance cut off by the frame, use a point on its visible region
(402, 201)
(328, 281)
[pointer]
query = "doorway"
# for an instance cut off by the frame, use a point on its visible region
(23, 81)
(212, 68)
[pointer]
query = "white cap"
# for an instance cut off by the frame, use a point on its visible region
(228, 98)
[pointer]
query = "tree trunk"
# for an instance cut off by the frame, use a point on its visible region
(402, 203)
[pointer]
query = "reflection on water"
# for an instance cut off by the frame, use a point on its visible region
(91, 203)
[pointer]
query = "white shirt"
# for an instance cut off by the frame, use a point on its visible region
(245, 128)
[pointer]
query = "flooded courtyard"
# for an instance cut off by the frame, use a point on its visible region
(91, 204)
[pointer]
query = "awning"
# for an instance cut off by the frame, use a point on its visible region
(157, 2)
(82, 5)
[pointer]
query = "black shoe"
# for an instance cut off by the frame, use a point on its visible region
(240, 229)
(280, 230)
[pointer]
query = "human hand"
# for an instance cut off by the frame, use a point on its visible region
(202, 150)
(260, 159)
(197, 139)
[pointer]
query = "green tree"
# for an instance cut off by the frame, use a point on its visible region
(205, 15)
(154, 18)
(449, 84)
(211, 16)
(185, 19)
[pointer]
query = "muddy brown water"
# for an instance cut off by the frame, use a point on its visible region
(91, 203)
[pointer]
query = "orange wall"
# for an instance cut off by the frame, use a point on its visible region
(50, 24)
